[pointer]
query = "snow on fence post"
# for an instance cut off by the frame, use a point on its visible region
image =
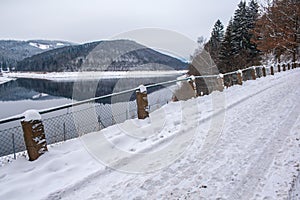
(264, 72)
(283, 67)
(192, 82)
(239, 77)
(34, 134)
(272, 70)
(278, 68)
(253, 73)
(142, 102)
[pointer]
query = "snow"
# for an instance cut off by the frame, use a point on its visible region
(39, 95)
(40, 46)
(93, 75)
(4, 79)
(242, 143)
(142, 89)
(31, 115)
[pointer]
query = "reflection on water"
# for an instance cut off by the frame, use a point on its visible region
(22, 94)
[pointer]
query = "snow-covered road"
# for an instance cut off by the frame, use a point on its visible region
(243, 143)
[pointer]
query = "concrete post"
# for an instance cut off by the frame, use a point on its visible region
(142, 102)
(34, 134)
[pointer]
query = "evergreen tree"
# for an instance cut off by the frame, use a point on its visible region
(240, 34)
(214, 44)
(227, 51)
(252, 17)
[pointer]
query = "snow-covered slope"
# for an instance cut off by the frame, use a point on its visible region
(242, 143)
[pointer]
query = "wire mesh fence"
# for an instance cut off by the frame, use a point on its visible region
(71, 122)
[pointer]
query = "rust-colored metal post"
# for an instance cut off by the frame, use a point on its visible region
(239, 77)
(272, 70)
(142, 102)
(253, 73)
(264, 72)
(34, 136)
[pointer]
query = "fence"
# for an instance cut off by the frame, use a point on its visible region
(61, 123)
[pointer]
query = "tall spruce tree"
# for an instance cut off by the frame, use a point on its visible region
(240, 34)
(227, 51)
(252, 17)
(213, 46)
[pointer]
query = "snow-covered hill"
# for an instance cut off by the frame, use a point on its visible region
(12, 51)
(242, 143)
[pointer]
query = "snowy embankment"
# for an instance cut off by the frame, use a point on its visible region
(5, 79)
(93, 75)
(243, 144)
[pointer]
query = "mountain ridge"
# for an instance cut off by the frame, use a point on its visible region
(13, 51)
(106, 55)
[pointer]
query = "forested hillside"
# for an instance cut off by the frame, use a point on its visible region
(13, 51)
(116, 55)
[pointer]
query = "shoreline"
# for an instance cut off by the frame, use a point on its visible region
(92, 74)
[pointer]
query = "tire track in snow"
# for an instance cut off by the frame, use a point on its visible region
(259, 166)
(210, 143)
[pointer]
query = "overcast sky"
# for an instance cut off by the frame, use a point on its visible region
(89, 20)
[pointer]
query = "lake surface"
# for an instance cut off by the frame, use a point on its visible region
(23, 94)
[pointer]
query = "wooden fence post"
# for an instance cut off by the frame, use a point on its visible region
(253, 73)
(289, 66)
(142, 102)
(239, 77)
(284, 67)
(272, 70)
(264, 72)
(220, 80)
(34, 134)
(278, 68)
(192, 82)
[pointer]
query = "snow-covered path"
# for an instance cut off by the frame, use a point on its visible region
(245, 145)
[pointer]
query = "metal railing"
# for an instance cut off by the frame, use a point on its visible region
(72, 120)
(61, 123)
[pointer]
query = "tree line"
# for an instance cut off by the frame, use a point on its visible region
(256, 32)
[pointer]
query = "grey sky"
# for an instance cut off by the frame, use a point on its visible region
(89, 20)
